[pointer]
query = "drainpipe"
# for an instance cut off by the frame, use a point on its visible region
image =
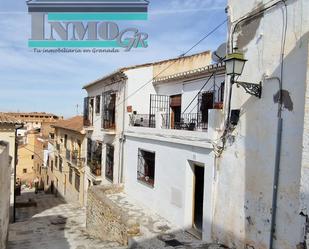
(15, 166)
(122, 138)
(277, 165)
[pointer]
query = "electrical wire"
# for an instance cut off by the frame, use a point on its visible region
(166, 68)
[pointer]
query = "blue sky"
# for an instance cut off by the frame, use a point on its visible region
(53, 83)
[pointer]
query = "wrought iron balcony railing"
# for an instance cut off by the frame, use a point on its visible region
(186, 121)
(143, 120)
(74, 157)
(108, 124)
(95, 167)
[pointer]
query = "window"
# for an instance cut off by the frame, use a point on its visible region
(109, 110)
(32, 157)
(77, 180)
(109, 165)
(65, 140)
(89, 148)
(146, 167)
(205, 102)
(52, 165)
(97, 104)
(70, 173)
(56, 161)
(60, 164)
(24, 171)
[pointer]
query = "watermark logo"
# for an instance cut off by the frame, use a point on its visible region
(86, 24)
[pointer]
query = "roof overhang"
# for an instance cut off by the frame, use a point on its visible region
(192, 74)
(114, 77)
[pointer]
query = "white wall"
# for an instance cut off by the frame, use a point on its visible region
(139, 100)
(5, 172)
(172, 194)
(246, 172)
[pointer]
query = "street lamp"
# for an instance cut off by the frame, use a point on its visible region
(234, 64)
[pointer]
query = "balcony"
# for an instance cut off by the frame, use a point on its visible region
(109, 124)
(143, 120)
(186, 121)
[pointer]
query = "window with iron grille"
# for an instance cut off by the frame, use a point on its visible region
(86, 111)
(109, 165)
(89, 149)
(97, 104)
(109, 110)
(70, 173)
(60, 164)
(77, 181)
(146, 167)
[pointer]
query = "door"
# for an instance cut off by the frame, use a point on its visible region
(52, 187)
(175, 105)
(198, 199)
(206, 102)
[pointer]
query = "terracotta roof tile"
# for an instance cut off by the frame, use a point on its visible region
(5, 119)
(74, 124)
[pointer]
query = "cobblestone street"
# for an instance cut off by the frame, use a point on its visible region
(54, 224)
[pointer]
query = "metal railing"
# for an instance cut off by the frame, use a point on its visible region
(186, 121)
(143, 120)
(109, 124)
(95, 168)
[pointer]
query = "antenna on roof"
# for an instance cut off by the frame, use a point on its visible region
(220, 54)
(77, 112)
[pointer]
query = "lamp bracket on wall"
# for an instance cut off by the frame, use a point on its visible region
(251, 88)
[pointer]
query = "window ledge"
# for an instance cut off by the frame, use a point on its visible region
(146, 183)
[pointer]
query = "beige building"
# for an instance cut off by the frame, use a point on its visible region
(34, 120)
(30, 156)
(8, 128)
(65, 171)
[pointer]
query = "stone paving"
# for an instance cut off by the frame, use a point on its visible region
(54, 224)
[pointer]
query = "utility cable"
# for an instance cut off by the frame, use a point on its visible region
(166, 68)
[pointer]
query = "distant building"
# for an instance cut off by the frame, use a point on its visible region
(35, 120)
(65, 172)
(30, 158)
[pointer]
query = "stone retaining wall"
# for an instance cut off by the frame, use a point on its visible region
(106, 220)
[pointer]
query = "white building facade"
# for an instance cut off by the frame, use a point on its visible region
(169, 157)
(273, 36)
(108, 107)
